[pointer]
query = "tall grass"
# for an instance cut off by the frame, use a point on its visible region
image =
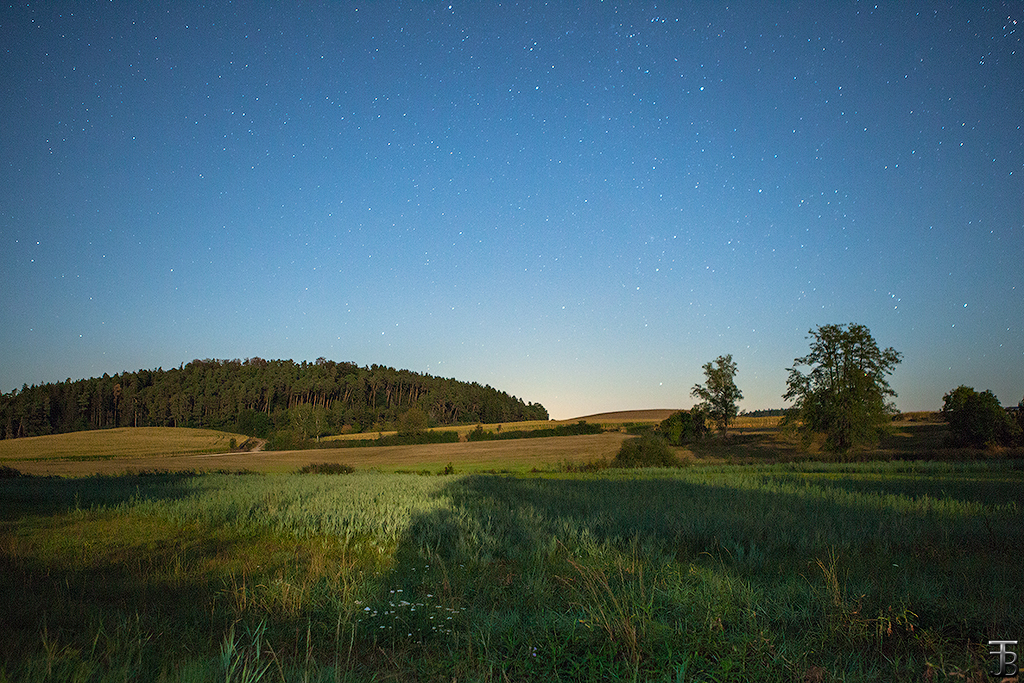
(790, 572)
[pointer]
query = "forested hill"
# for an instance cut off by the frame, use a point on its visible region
(256, 397)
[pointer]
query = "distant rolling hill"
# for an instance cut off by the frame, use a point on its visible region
(656, 415)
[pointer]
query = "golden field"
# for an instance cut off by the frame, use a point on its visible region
(115, 451)
(57, 455)
(122, 443)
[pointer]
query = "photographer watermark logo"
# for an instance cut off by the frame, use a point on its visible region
(1007, 657)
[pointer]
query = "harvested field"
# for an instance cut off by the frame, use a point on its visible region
(122, 443)
(518, 455)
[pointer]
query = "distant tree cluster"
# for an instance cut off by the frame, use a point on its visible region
(764, 412)
(844, 395)
(578, 429)
(257, 397)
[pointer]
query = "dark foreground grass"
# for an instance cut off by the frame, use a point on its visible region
(884, 572)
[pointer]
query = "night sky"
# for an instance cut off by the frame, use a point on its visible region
(578, 205)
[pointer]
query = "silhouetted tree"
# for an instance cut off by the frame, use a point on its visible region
(719, 394)
(845, 394)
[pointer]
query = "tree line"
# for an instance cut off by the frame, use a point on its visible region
(845, 398)
(256, 397)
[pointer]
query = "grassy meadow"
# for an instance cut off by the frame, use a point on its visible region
(754, 562)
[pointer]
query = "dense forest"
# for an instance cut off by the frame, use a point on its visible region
(257, 397)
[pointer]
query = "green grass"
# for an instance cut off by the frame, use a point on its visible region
(801, 571)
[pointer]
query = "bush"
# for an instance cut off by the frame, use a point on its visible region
(441, 436)
(479, 434)
(327, 468)
(413, 422)
(583, 466)
(7, 472)
(254, 423)
(638, 429)
(578, 429)
(649, 450)
(285, 440)
(682, 427)
(978, 419)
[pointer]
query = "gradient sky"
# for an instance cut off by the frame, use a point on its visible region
(578, 205)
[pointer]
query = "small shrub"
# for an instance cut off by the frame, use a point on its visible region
(327, 468)
(284, 440)
(479, 434)
(413, 422)
(448, 469)
(639, 429)
(649, 450)
(582, 466)
(7, 472)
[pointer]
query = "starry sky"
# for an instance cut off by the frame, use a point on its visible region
(579, 204)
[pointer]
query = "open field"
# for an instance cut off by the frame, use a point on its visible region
(751, 441)
(518, 455)
(124, 443)
(607, 420)
(789, 572)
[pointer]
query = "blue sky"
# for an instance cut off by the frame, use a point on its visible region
(580, 205)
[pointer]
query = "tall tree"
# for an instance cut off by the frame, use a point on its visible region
(719, 393)
(845, 394)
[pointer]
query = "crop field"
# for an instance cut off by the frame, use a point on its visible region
(752, 440)
(519, 455)
(787, 572)
(124, 442)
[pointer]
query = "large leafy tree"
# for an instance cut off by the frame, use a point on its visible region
(845, 394)
(719, 393)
